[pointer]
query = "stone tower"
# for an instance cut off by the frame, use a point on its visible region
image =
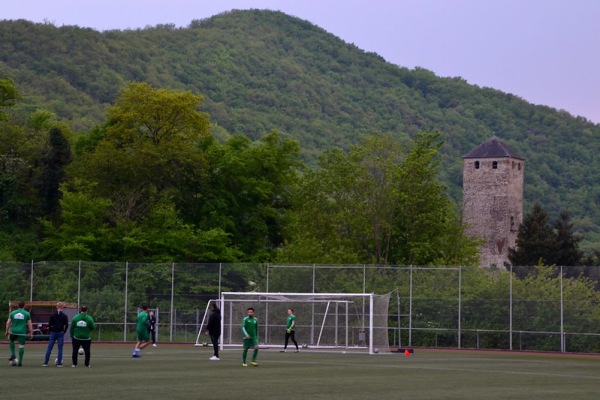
(493, 199)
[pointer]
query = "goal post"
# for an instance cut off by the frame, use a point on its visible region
(204, 323)
(343, 321)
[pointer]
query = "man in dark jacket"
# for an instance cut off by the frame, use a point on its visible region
(152, 327)
(213, 329)
(58, 325)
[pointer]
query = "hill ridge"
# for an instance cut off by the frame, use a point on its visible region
(264, 70)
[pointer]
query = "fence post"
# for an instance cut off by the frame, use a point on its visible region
(520, 341)
(267, 284)
(79, 284)
(220, 277)
(172, 299)
(410, 305)
(459, 307)
(562, 311)
(31, 282)
(126, 303)
(267, 308)
(398, 315)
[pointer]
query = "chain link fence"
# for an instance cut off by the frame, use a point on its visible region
(549, 309)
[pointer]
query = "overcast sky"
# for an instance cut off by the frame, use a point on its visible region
(545, 51)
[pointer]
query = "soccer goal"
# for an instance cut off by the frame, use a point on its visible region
(344, 321)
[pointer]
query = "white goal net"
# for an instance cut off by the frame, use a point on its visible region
(323, 320)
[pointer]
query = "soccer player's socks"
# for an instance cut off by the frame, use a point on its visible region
(12, 348)
(254, 354)
(21, 352)
(244, 355)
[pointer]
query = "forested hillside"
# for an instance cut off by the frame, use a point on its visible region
(260, 71)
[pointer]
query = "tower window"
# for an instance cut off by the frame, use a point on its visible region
(476, 164)
(494, 164)
(519, 166)
(512, 224)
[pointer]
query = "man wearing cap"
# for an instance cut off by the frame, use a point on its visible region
(58, 325)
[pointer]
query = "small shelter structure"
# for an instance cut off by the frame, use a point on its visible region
(40, 312)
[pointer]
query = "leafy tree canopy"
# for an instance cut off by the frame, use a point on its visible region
(541, 243)
(378, 203)
(258, 71)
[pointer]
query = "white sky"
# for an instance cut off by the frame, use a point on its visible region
(545, 51)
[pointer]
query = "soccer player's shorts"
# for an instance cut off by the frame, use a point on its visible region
(249, 343)
(143, 335)
(21, 339)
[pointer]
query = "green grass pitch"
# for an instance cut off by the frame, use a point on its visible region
(184, 372)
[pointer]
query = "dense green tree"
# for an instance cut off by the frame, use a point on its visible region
(539, 243)
(15, 182)
(163, 237)
(139, 193)
(566, 251)
(53, 170)
(83, 231)
(23, 146)
(330, 222)
(248, 191)
(9, 95)
(258, 71)
(15, 166)
(261, 70)
(160, 116)
(535, 240)
(148, 148)
(592, 258)
(41, 121)
(427, 228)
(376, 204)
(174, 192)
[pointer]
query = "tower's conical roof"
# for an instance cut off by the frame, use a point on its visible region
(493, 148)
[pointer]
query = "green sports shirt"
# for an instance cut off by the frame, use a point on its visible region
(250, 327)
(82, 326)
(142, 321)
(291, 318)
(18, 321)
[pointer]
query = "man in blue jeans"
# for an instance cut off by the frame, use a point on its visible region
(58, 325)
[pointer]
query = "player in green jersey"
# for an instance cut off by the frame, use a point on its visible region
(143, 331)
(290, 330)
(19, 328)
(81, 329)
(250, 334)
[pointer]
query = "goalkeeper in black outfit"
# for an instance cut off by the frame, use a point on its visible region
(290, 330)
(213, 329)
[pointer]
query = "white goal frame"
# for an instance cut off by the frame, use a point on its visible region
(337, 308)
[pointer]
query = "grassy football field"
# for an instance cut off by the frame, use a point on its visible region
(184, 372)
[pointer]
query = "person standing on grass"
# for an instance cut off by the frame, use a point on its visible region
(19, 328)
(58, 325)
(213, 329)
(250, 334)
(81, 335)
(152, 327)
(290, 330)
(143, 333)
